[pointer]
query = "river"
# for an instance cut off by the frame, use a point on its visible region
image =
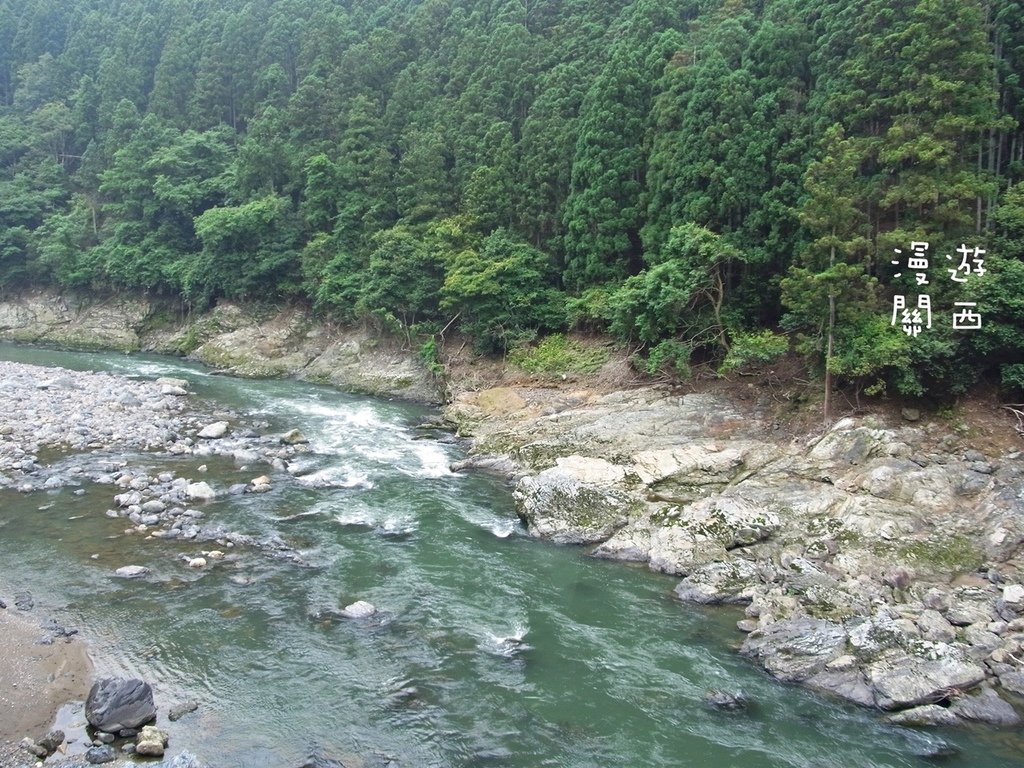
(489, 649)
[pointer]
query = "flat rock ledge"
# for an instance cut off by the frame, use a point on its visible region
(880, 563)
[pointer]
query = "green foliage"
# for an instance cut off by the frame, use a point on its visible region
(556, 354)
(504, 293)
(754, 347)
(669, 357)
(682, 169)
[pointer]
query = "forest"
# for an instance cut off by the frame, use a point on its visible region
(713, 181)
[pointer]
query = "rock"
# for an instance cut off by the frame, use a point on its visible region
(173, 391)
(33, 749)
(131, 571)
(935, 628)
(578, 501)
(52, 740)
(178, 711)
(1013, 597)
(99, 755)
(926, 715)
(793, 650)
(901, 681)
(151, 742)
(985, 707)
(911, 414)
(726, 701)
(936, 749)
(23, 601)
(898, 577)
(294, 437)
(197, 562)
(747, 625)
(359, 610)
(200, 491)
(936, 600)
(184, 760)
(153, 507)
(115, 703)
(214, 431)
(716, 583)
(167, 381)
(1013, 682)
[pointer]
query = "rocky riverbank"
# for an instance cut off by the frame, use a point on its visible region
(881, 561)
(241, 340)
(71, 430)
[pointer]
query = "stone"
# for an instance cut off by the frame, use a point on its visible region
(200, 491)
(985, 707)
(1013, 597)
(911, 414)
(99, 755)
(173, 391)
(795, 649)
(151, 742)
(116, 703)
(131, 571)
(1013, 682)
(167, 381)
(197, 562)
(726, 701)
(359, 610)
(931, 715)
(178, 711)
(294, 437)
(184, 760)
(214, 431)
(935, 628)
(717, 583)
(936, 600)
(153, 507)
(901, 681)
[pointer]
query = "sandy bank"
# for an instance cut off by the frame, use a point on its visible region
(36, 680)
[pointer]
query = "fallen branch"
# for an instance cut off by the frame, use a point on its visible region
(1017, 409)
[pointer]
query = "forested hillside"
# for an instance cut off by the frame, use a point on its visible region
(705, 180)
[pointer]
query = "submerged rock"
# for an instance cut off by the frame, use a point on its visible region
(131, 571)
(178, 711)
(726, 701)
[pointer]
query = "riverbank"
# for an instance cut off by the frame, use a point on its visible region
(879, 561)
(40, 674)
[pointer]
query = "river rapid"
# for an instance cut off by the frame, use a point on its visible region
(488, 649)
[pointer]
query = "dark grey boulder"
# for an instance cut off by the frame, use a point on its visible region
(114, 704)
(726, 701)
(985, 707)
(98, 755)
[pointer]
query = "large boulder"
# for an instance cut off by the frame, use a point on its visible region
(581, 500)
(794, 650)
(115, 704)
(901, 680)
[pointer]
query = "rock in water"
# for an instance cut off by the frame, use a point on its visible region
(131, 571)
(178, 711)
(98, 755)
(184, 760)
(115, 703)
(725, 701)
(294, 437)
(359, 610)
(214, 431)
(200, 491)
(151, 742)
(51, 742)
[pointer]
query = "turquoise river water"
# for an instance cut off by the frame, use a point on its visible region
(611, 671)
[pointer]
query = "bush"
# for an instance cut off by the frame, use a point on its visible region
(754, 347)
(556, 354)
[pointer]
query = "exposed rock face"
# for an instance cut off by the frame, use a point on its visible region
(880, 563)
(243, 341)
(114, 704)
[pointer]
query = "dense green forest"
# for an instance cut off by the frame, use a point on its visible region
(704, 180)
